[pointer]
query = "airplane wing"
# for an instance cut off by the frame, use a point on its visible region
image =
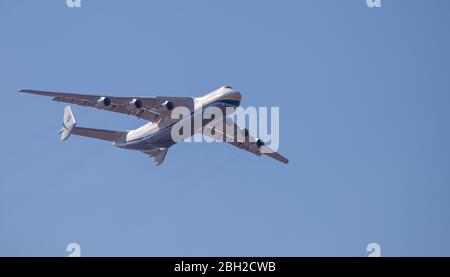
(252, 145)
(151, 108)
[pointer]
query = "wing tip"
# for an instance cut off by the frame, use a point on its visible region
(282, 159)
(25, 90)
(277, 157)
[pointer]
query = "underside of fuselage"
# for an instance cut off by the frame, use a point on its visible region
(159, 134)
(163, 137)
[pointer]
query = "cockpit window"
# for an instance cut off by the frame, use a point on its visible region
(228, 87)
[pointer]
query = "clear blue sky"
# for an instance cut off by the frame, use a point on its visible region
(364, 107)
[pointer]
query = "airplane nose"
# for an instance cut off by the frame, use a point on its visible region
(238, 95)
(234, 93)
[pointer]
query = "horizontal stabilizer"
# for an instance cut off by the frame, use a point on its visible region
(107, 135)
(69, 127)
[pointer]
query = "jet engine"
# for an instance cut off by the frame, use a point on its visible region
(103, 102)
(134, 104)
(259, 143)
(166, 106)
(256, 147)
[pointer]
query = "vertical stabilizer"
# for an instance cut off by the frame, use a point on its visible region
(69, 123)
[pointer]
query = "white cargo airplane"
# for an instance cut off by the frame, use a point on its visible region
(154, 138)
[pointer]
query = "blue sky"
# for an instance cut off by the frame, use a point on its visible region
(363, 96)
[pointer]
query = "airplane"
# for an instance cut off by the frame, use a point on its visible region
(154, 138)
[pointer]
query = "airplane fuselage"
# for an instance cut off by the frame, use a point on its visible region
(156, 135)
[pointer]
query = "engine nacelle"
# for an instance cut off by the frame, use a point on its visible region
(103, 102)
(256, 147)
(166, 106)
(259, 143)
(134, 104)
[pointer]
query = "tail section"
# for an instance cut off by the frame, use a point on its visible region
(69, 124)
(69, 127)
